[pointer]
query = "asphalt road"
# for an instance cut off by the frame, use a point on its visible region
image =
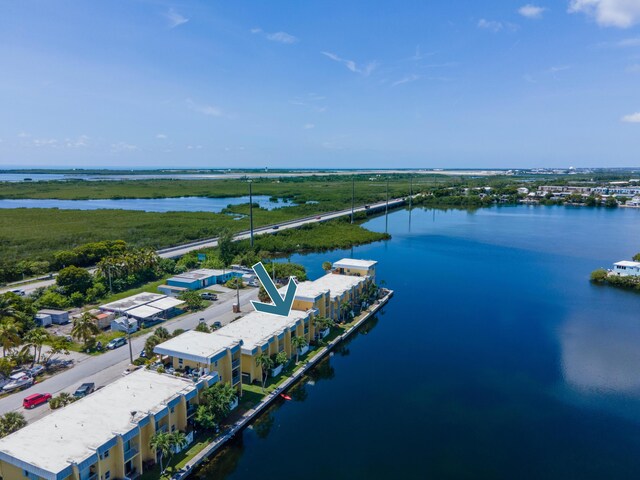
(107, 367)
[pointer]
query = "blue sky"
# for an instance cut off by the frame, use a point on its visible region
(355, 84)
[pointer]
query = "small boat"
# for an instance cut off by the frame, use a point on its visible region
(285, 396)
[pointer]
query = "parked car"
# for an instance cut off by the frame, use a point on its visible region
(217, 325)
(130, 369)
(36, 399)
(25, 381)
(276, 227)
(84, 390)
(143, 354)
(318, 218)
(36, 370)
(209, 296)
(19, 292)
(116, 342)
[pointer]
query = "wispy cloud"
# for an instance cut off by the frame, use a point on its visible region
(279, 37)
(175, 19)
(531, 11)
(496, 26)
(629, 42)
(121, 147)
(309, 126)
(80, 142)
(161, 136)
(312, 101)
(609, 13)
(631, 118)
(210, 110)
(407, 79)
(364, 70)
(419, 55)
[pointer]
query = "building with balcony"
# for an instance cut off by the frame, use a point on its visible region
(345, 292)
(265, 333)
(105, 435)
(204, 353)
(352, 266)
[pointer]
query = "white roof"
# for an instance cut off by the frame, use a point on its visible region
(132, 301)
(354, 263)
(144, 311)
(306, 290)
(257, 328)
(72, 433)
(199, 274)
(338, 284)
(166, 303)
(626, 263)
(195, 346)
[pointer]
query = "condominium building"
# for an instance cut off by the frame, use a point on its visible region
(344, 291)
(105, 435)
(353, 266)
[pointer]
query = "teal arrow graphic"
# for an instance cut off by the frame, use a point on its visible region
(281, 306)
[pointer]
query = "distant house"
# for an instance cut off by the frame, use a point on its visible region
(360, 268)
(205, 277)
(124, 324)
(145, 307)
(59, 317)
(627, 268)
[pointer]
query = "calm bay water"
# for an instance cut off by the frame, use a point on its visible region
(495, 359)
(181, 204)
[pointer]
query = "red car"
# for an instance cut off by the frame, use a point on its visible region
(36, 399)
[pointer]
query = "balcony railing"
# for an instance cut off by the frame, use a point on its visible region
(235, 379)
(129, 454)
(235, 364)
(162, 428)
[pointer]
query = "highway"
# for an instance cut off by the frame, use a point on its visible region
(180, 250)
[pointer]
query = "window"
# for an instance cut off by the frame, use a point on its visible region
(107, 475)
(173, 409)
(173, 428)
(180, 361)
(104, 455)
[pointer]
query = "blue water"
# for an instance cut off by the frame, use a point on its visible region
(182, 204)
(495, 359)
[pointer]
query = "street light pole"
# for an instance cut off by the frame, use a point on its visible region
(128, 325)
(386, 208)
(250, 215)
(353, 196)
(410, 192)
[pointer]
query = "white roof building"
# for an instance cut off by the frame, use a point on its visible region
(337, 284)
(197, 346)
(257, 328)
(74, 434)
(354, 263)
(143, 305)
(307, 290)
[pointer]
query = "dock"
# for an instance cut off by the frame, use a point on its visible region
(256, 411)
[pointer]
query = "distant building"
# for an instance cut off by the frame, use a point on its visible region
(124, 324)
(205, 277)
(145, 306)
(626, 268)
(59, 317)
(352, 266)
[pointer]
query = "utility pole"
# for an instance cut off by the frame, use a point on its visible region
(250, 216)
(353, 197)
(410, 192)
(386, 208)
(238, 280)
(128, 325)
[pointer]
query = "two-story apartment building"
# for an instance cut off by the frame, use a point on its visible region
(352, 266)
(105, 435)
(204, 353)
(627, 268)
(343, 290)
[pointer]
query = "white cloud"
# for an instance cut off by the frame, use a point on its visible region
(309, 126)
(365, 70)
(81, 141)
(495, 26)
(256, 30)
(559, 68)
(123, 147)
(175, 19)
(45, 142)
(531, 11)
(609, 13)
(161, 136)
(407, 79)
(282, 37)
(194, 147)
(23, 135)
(209, 110)
(631, 118)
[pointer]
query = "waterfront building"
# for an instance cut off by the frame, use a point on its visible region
(204, 353)
(352, 266)
(344, 291)
(311, 297)
(626, 268)
(205, 277)
(264, 333)
(105, 435)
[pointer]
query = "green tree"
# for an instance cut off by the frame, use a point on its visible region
(215, 404)
(53, 299)
(192, 299)
(85, 327)
(9, 334)
(202, 327)
(611, 202)
(265, 362)
(36, 338)
(263, 296)
(599, 275)
(6, 366)
(297, 343)
(162, 443)
(11, 422)
(322, 323)
(636, 257)
(281, 358)
(61, 400)
(226, 249)
(326, 266)
(162, 333)
(74, 279)
(57, 345)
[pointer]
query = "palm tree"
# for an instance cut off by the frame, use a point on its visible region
(178, 442)
(344, 309)
(85, 327)
(162, 443)
(36, 338)
(298, 343)
(324, 322)
(7, 309)
(162, 333)
(9, 334)
(11, 422)
(326, 266)
(265, 362)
